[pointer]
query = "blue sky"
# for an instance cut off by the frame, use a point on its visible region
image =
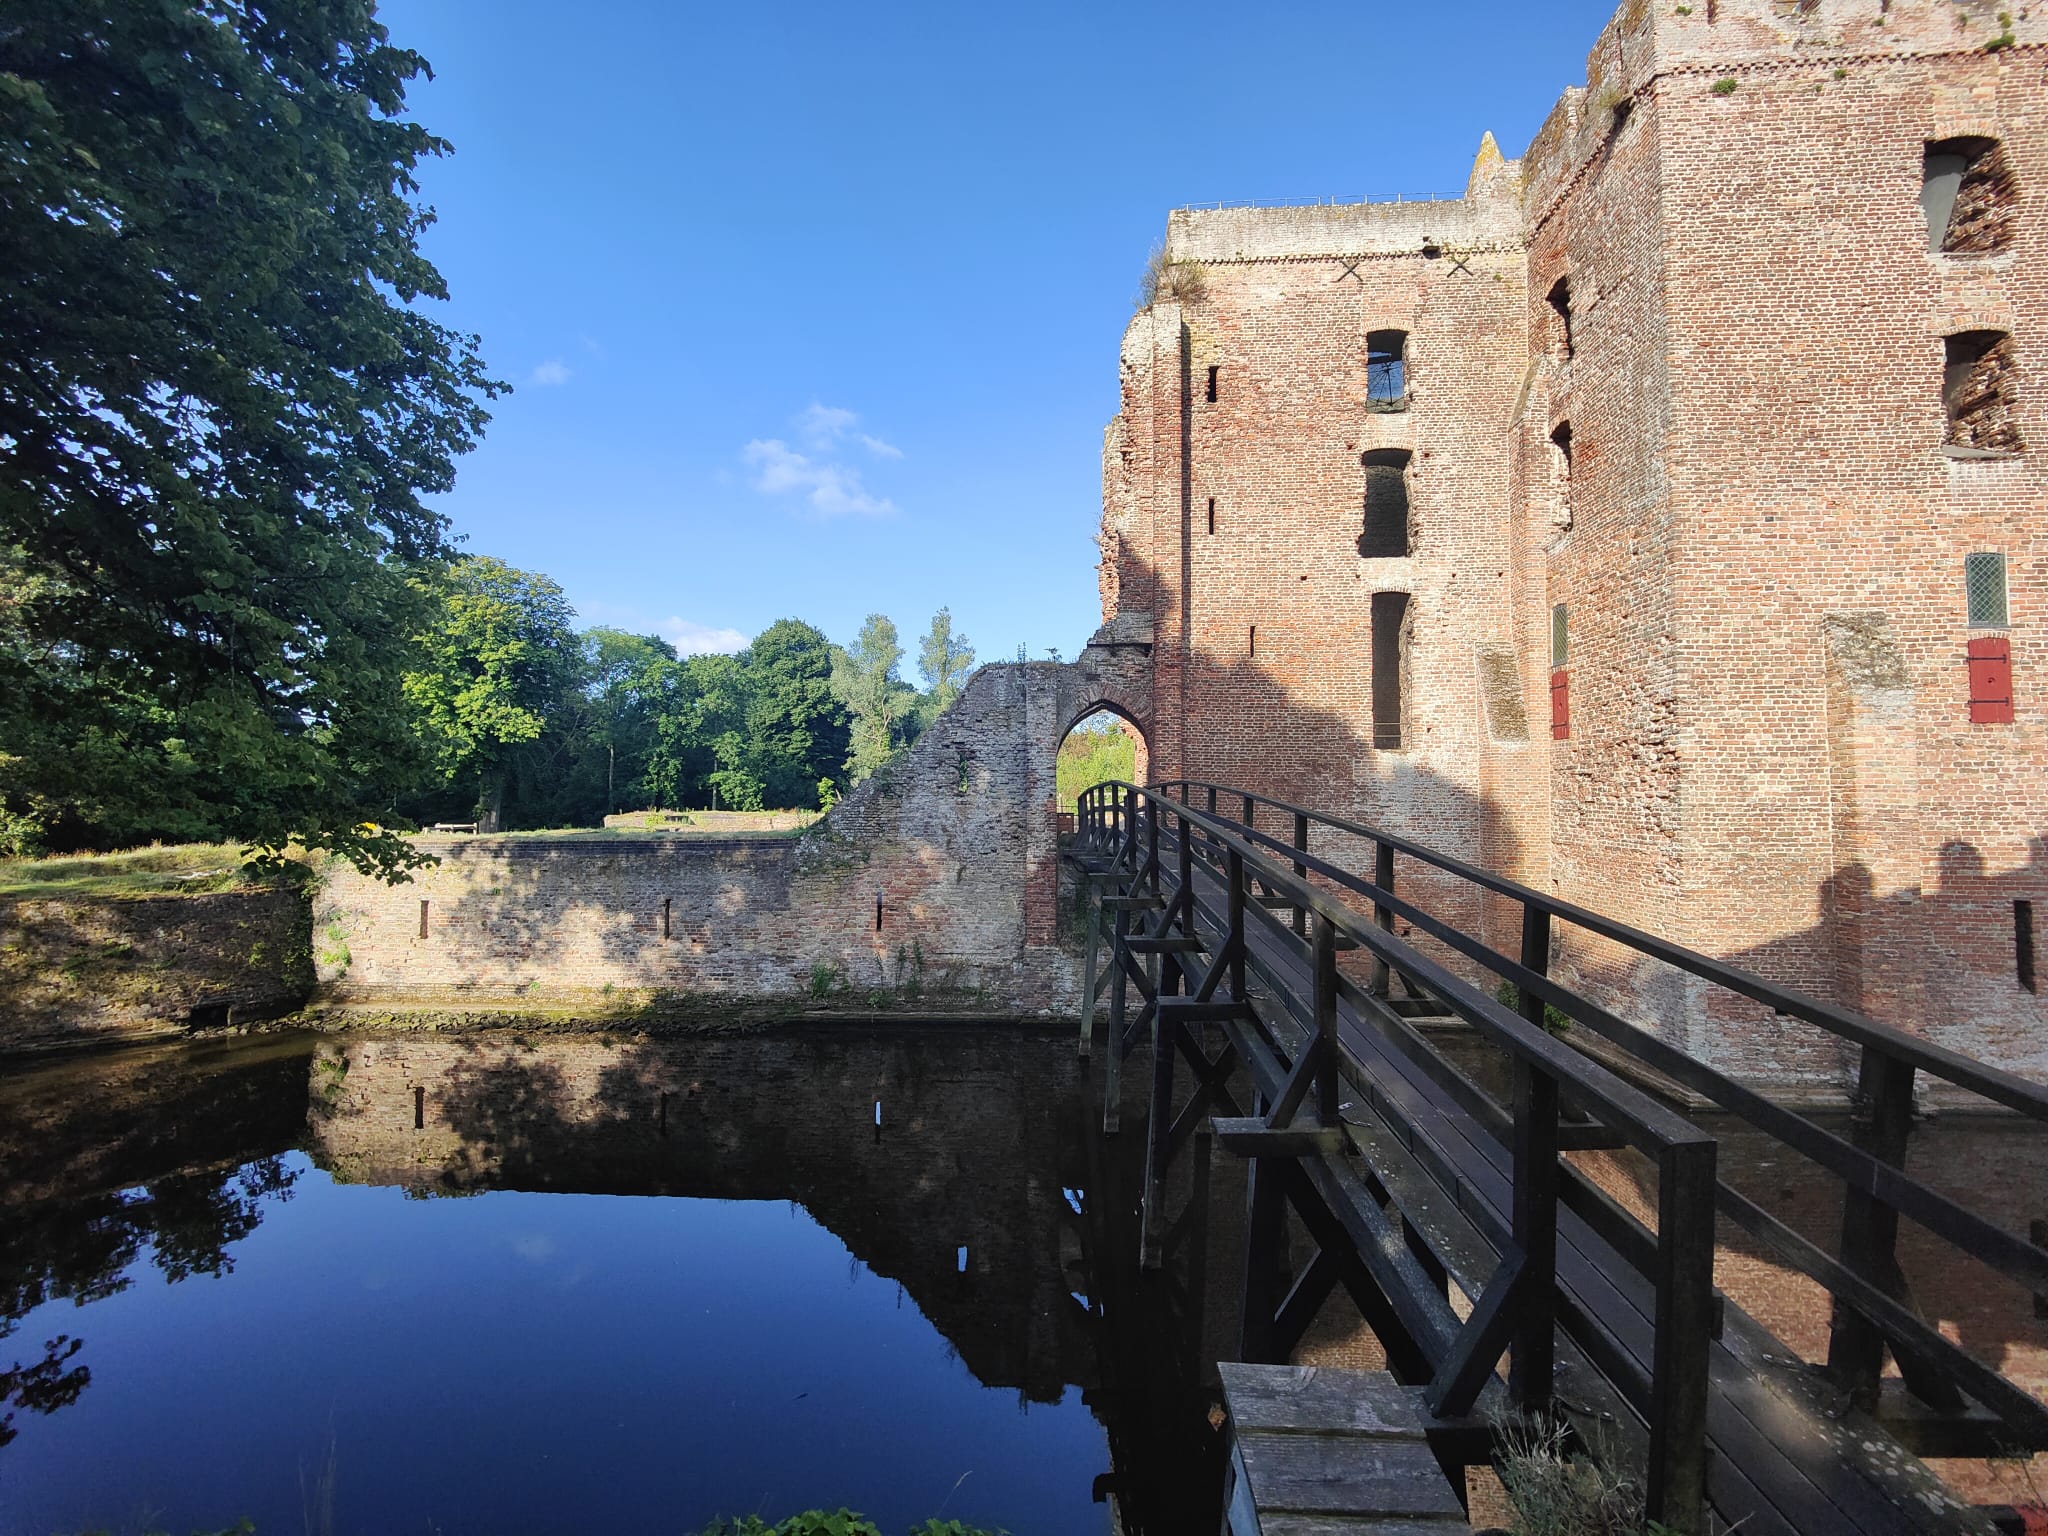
(813, 311)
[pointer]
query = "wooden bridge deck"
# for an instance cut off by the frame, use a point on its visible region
(1428, 1181)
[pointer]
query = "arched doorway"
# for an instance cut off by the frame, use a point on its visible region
(1102, 745)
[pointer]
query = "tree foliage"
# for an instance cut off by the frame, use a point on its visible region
(499, 661)
(865, 678)
(944, 659)
(1097, 751)
(220, 407)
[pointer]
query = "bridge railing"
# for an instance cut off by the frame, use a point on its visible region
(1519, 1307)
(1873, 1307)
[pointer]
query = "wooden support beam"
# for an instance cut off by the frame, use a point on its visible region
(1252, 1137)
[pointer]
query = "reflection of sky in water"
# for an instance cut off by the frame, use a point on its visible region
(516, 1362)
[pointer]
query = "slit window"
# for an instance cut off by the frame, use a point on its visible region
(1979, 391)
(1212, 514)
(1561, 477)
(2023, 944)
(1389, 668)
(1561, 318)
(1385, 534)
(1252, 641)
(1386, 370)
(423, 919)
(1970, 196)
(1212, 385)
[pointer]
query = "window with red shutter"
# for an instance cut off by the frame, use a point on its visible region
(1990, 680)
(1560, 706)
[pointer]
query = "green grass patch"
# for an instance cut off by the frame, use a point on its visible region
(182, 869)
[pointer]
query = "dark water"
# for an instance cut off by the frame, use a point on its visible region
(568, 1285)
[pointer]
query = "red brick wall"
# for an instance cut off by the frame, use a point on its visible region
(1758, 488)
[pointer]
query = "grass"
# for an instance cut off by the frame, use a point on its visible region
(181, 869)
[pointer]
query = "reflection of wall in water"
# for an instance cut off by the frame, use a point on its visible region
(967, 1157)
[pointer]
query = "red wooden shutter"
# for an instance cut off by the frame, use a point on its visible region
(1991, 680)
(1561, 705)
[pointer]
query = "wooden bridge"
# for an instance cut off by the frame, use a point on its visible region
(1216, 932)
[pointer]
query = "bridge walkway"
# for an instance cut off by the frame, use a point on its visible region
(1415, 1178)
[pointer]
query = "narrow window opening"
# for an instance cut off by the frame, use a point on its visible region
(1252, 643)
(1979, 391)
(1561, 317)
(1212, 384)
(1560, 677)
(878, 911)
(1386, 371)
(2023, 944)
(1212, 514)
(1389, 667)
(1970, 196)
(1561, 477)
(665, 903)
(419, 1109)
(1386, 532)
(423, 919)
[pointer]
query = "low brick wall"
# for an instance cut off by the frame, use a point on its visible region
(933, 887)
(76, 971)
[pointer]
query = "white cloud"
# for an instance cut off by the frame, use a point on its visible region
(833, 490)
(693, 639)
(553, 371)
(824, 427)
(820, 426)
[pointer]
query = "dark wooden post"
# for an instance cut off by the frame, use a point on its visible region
(1119, 1004)
(1382, 915)
(1265, 1257)
(1300, 869)
(1685, 1320)
(1536, 1179)
(1233, 874)
(1870, 1228)
(1323, 950)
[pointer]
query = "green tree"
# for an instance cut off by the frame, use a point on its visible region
(499, 663)
(221, 405)
(623, 679)
(945, 660)
(796, 728)
(864, 677)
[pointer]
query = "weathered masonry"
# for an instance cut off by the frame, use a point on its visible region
(1663, 524)
(933, 886)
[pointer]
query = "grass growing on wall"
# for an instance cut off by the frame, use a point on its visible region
(1096, 751)
(185, 868)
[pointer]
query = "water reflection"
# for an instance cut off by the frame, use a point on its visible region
(958, 1169)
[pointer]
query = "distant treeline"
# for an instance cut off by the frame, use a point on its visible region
(529, 722)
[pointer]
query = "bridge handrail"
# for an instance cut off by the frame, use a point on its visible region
(2019, 1094)
(1653, 1126)
(1872, 1166)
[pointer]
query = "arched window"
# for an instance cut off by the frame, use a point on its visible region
(1386, 371)
(1561, 318)
(1386, 504)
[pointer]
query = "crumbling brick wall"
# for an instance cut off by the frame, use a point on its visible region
(933, 886)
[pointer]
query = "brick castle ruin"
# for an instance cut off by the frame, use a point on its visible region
(1664, 523)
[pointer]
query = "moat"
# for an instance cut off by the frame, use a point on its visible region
(498, 1282)
(548, 1284)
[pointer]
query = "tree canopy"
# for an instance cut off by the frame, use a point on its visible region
(944, 659)
(221, 405)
